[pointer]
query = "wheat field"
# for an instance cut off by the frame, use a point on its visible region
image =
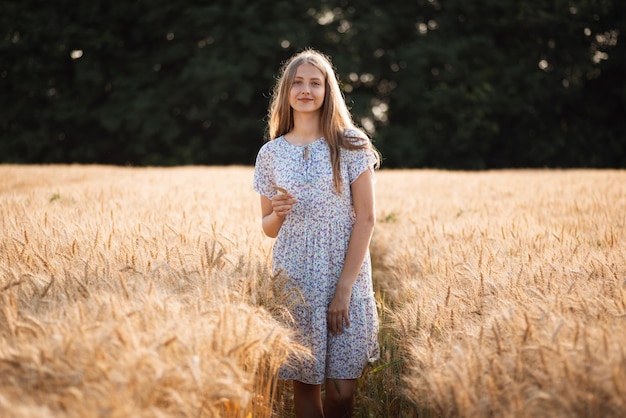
(147, 292)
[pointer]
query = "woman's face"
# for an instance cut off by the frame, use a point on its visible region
(308, 89)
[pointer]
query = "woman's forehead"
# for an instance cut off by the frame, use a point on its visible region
(307, 70)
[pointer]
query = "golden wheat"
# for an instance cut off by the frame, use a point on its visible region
(122, 294)
(509, 288)
(148, 292)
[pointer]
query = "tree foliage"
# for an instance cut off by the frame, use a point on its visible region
(452, 84)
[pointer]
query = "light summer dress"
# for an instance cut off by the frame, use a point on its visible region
(310, 250)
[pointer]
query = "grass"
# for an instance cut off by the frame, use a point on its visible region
(148, 292)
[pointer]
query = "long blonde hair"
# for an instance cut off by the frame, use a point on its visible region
(336, 122)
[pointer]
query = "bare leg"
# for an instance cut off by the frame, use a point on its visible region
(307, 400)
(339, 401)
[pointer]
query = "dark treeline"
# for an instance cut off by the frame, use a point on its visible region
(438, 83)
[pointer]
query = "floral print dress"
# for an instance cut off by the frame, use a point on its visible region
(310, 250)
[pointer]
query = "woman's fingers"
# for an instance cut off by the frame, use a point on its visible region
(338, 311)
(337, 321)
(283, 203)
(339, 324)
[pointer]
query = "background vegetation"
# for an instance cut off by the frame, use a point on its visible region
(452, 84)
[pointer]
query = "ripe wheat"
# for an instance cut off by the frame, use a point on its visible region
(148, 292)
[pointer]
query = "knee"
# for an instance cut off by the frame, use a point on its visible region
(340, 394)
(340, 402)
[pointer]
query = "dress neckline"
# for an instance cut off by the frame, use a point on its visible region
(321, 138)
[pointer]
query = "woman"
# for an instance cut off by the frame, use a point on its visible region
(315, 176)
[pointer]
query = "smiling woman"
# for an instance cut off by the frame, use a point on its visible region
(323, 226)
(306, 98)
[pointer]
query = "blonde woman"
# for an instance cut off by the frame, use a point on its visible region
(315, 176)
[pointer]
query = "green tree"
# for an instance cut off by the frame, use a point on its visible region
(449, 84)
(139, 82)
(499, 84)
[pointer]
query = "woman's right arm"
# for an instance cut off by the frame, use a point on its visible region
(274, 212)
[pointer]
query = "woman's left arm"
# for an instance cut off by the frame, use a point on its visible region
(364, 207)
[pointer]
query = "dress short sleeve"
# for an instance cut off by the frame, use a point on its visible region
(263, 173)
(358, 161)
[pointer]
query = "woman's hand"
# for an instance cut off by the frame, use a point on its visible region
(282, 204)
(338, 316)
(275, 210)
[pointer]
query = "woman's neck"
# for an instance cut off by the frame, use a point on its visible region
(306, 129)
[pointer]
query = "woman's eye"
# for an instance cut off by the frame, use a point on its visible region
(297, 82)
